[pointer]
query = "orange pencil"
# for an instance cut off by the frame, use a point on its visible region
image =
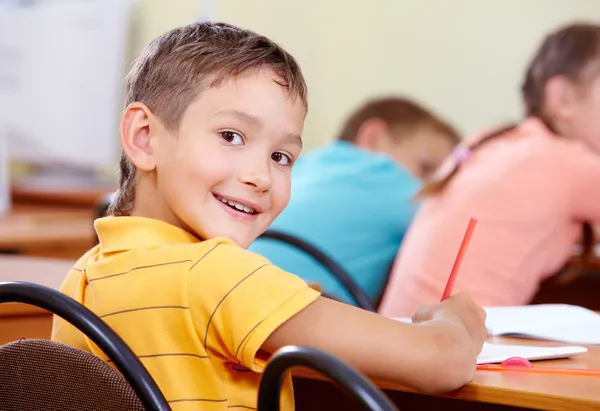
(459, 258)
(541, 370)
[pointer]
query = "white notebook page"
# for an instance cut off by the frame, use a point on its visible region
(496, 353)
(555, 322)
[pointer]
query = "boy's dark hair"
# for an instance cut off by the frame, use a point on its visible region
(397, 113)
(569, 52)
(174, 69)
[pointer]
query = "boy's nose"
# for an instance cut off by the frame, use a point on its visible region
(260, 180)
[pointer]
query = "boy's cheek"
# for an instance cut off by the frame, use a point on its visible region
(284, 201)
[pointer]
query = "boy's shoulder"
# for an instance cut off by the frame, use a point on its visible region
(84, 259)
(221, 254)
(220, 257)
(128, 242)
(217, 253)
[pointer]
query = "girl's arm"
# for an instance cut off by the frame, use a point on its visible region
(584, 196)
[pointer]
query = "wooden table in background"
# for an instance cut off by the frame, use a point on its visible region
(47, 231)
(26, 321)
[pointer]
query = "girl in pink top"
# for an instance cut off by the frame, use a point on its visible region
(533, 187)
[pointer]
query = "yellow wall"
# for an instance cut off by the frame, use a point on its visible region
(154, 17)
(463, 58)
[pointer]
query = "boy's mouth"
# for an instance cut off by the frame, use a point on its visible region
(236, 205)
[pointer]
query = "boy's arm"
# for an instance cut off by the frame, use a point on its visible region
(242, 306)
(436, 355)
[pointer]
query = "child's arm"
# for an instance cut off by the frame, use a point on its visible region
(436, 355)
(584, 196)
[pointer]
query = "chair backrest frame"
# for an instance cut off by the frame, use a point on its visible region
(351, 382)
(357, 293)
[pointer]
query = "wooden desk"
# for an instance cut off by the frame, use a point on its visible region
(58, 232)
(490, 390)
(539, 391)
(26, 321)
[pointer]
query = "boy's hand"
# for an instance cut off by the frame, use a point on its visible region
(459, 309)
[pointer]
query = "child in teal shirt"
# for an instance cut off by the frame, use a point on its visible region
(353, 198)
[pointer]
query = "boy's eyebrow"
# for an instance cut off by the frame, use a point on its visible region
(294, 139)
(250, 119)
(240, 115)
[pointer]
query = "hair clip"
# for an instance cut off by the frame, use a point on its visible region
(461, 153)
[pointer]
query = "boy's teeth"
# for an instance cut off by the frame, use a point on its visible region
(237, 206)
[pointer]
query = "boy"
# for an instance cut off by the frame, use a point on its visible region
(354, 198)
(211, 128)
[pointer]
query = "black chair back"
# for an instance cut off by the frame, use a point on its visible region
(347, 378)
(357, 293)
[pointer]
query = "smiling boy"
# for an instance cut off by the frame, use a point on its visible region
(212, 126)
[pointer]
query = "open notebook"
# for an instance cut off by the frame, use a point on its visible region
(554, 322)
(496, 353)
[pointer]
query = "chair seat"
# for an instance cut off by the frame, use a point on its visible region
(46, 375)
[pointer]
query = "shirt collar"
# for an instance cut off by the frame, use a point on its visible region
(125, 233)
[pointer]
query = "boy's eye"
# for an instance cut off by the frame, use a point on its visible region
(232, 138)
(281, 158)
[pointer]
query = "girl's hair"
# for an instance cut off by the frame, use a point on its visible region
(568, 52)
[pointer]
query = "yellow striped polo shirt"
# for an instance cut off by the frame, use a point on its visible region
(195, 312)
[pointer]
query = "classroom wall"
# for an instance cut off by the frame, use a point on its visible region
(463, 58)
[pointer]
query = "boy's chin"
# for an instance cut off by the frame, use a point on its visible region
(243, 235)
(241, 240)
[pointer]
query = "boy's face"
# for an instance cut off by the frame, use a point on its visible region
(227, 171)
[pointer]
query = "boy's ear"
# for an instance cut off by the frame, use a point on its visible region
(138, 125)
(370, 132)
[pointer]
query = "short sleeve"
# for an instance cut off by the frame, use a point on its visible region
(238, 299)
(63, 331)
(584, 195)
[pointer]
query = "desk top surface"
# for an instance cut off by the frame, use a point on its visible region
(537, 391)
(43, 271)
